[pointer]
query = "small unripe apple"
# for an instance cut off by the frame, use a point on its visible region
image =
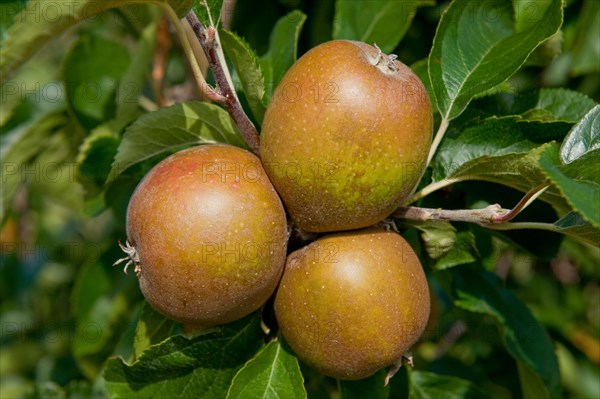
(208, 234)
(346, 136)
(352, 303)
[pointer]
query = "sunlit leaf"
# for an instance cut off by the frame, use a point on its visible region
(273, 373)
(172, 128)
(477, 46)
(199, 367)
(584, 137)
(248, 69)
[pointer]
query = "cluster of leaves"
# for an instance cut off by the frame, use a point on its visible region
(82, 121)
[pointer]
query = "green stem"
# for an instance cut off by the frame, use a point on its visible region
(189, 54)
(438, 138)
(523, 226)
(430, 188)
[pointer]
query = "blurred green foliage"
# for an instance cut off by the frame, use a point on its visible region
(65, 310)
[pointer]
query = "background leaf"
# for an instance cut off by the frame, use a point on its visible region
(172, 128)
(283, 49)
(94, 160)
(464, 251)
(383, 22)
(586, 50)
(92, 71)
(102, 303)
(273, 373)
(33, 29)
(524, 337)
(473, 52)
(439, 237)
(187, 367)
(131, 85)
(427, 385)
(18, 149)
(372, 387)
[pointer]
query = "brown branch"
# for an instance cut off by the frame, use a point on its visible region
(487, 215)
(226, 96)
(492, 216)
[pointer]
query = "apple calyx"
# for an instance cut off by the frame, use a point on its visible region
(386, 63)
(131, 258)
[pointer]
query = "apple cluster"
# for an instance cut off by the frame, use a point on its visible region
(208, 227)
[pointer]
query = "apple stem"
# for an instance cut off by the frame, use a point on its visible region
(430, 188)
(226, 96)
(405, 359)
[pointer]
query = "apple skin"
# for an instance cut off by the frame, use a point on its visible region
(211, 234)
(352, 303)
(345, 141)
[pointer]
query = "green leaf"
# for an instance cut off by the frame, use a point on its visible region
(273, 373)
(421, 70)
(526, 340)
(132, 83)
(477, 46)
(560, 104)
(491, 137)
(427, 385)
(572, 224)
(372, 387)
(578, 182)
(172, 128)
(92, 72)
(19, 147)
(463, 251)
(502, 150)
(200, 367)
(102, 307)
(383, 22)
(586, 49)
(208, 11)
(9, 9)
(532, 385)
(182, 7)
(32, 30)
(94, 160)
(584, 137)
(246, 64)
(551, 105)
(283, 49)
(439, 236)
(152, 328)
